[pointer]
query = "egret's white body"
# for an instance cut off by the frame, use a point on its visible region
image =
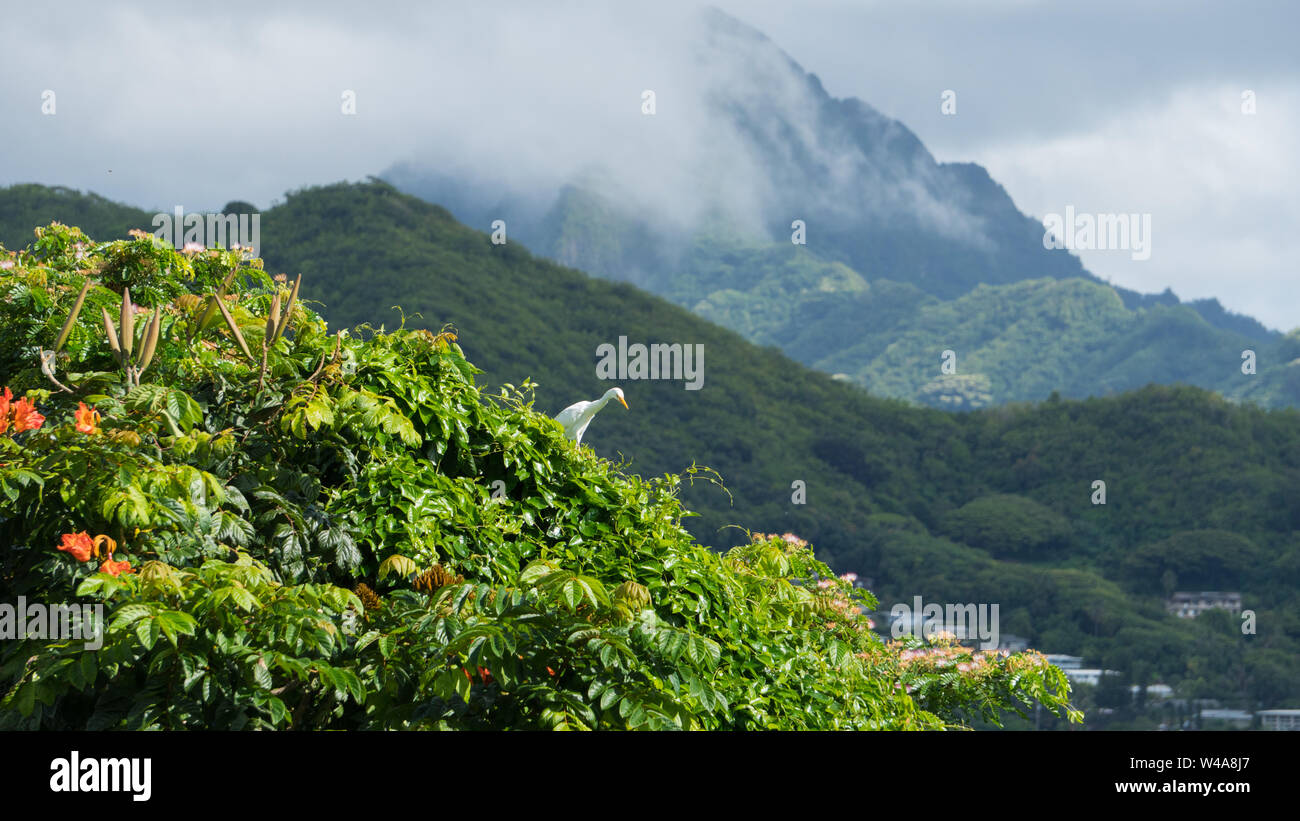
(578, 416)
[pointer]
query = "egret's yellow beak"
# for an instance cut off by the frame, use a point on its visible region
(622, 401)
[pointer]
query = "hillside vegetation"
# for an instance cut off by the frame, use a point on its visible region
(877, 327)
(295, 528)
(953, 507)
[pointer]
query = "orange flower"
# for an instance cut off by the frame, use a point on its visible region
(78, 544)
(87, 419)
(25, 416)
(115, 568)
(4, 410)
(110, 546)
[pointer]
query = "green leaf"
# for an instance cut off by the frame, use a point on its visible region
(130, 614)
(703, 652)
(261, 672)
(89, 669)
(279, 713)
(240, 595)
(183, 409)
(463, 685)
(101, 583)
(366, 640)
(147, 630)
(573, 593)
(535, 572)
(178, 622)
(26, 699)
(608, 697)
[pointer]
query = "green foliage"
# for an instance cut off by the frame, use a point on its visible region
(882, 476)
(1015, 341)
(875, 298)
(1009, 526)
(310, 539)
(1198, 560)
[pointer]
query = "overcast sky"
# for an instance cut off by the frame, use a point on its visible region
(1109, 107)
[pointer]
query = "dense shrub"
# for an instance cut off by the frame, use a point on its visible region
(292, 528)
(1195, 559)
(1009, 526)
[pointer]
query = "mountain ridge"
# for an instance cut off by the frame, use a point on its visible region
(870, 193)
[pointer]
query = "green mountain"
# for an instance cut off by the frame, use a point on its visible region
(885, 331)
(904, 256)
(26, 205)
(991, 506)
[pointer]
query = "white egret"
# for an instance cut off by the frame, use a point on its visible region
(578, 416)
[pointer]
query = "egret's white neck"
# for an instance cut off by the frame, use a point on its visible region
(600, 403)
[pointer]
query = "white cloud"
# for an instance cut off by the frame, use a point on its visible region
(244, 103)
(1220, 186)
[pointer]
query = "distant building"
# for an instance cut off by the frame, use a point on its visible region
(1233, 718)
(1191, 605)
(1279, 719)
(1155, 692)
(1065, 662)
(1088, 675)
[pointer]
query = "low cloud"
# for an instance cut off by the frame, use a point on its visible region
(1212, 178)
(162, 106)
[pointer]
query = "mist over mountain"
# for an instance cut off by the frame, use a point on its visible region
(702, 209)
(766, 146)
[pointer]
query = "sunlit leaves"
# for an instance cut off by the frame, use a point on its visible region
(398, 565)
(174, 624)
(158, 398)
(128, 506)
(510, 580)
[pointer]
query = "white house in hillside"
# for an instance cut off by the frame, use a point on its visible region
(1155, 692)
(1088, 675)
(1231, 718)
(1279, 719)
(1065, 662)
(1191, 605)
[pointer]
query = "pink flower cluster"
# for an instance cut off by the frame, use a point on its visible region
(837, 600)
(1028, 660)
(789, 538)
(946, 653)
